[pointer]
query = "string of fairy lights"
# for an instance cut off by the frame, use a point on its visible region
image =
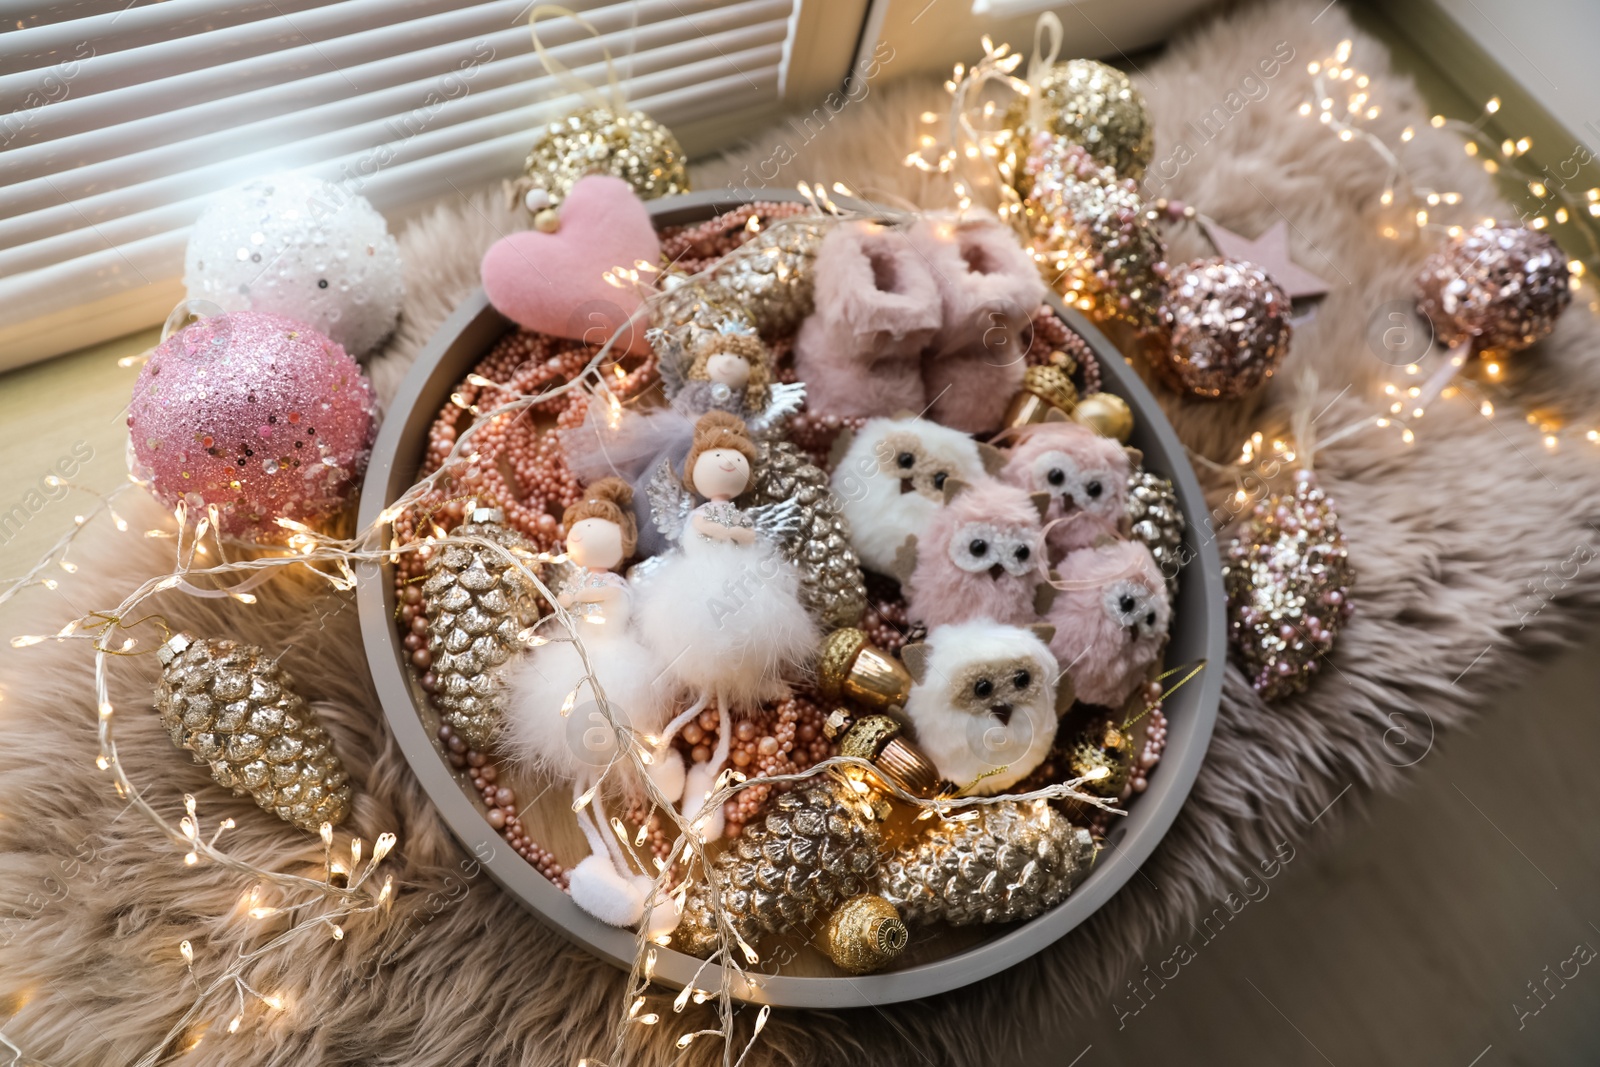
(973, 155)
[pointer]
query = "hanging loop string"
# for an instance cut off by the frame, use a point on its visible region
(1041, 63)
(563, 73)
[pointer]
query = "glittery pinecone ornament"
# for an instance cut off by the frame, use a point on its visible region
(831, 584)
(1012, 861)
(686, 310)
(1155, 518)
(1288, 576)
(1091, 237)
(770, 274)
(236, 709)
(477, 605)
(815, 848)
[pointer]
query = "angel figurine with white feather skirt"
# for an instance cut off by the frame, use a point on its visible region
(721, 615)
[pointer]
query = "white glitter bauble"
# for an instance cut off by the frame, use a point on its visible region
(302, 248)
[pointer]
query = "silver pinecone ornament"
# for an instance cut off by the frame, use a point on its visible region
(770, 274)
(816, 848)
(1156, 519)
(477, 605)
(687, 309)
(832, 587)
(236, 709)
(1288, 576)
(993, 863)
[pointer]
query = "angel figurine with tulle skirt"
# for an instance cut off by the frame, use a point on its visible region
(721, 615)
(727, 370)
(555, 722)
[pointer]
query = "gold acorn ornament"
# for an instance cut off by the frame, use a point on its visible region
(990, 863)
(234, 708)
(1288, 575)
(1090, 104)
(1047, 395)
(1103, 753)
(1092, 238)
(816, 848)
(881, 741)
(850, 667)
(832, 588)
(864, 934)
(477, 604)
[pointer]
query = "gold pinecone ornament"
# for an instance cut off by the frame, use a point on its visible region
(817, 847)
(235, 709)
(1001, 862)
(832, 587)
(770, 275)
(477, 604)
(1155, 518)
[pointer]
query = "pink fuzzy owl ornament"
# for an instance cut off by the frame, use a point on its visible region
(981, 557)
(1086, 476)
(1110, 614)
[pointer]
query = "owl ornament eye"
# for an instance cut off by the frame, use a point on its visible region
(983, 547)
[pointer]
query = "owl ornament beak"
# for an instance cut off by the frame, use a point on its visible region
(1002, 712)
(996, 571)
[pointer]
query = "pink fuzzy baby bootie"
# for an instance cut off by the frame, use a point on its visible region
(860, 352)
(989, 289)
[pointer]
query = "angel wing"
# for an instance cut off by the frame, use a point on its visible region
(781, 523)
(669, 358)
(783, 400)
(670, 502)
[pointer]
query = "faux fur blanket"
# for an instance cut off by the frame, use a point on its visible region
(1461, 542)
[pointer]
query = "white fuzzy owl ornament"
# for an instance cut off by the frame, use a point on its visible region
(890, 477)
(985, 701)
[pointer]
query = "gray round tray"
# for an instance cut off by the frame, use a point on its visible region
(1199, 632)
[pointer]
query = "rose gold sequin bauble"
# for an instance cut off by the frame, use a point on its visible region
(1498, 286)
(1228, 325)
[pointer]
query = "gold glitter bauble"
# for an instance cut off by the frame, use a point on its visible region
(1000, 862)
(1155, 518)
(770, 275)
(601, 140)
(864, 934)
(832, 587)
(1288, 576)
(1103, 745)
(1093, 105)
(1091, 237)
(813, 849)
(1107, 414)
(236, 709)
(477, 605)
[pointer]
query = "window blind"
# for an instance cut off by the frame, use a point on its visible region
(123, 119)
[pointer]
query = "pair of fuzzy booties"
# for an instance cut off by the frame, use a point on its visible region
(930, 318)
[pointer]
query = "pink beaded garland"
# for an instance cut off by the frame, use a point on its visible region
(259, 415)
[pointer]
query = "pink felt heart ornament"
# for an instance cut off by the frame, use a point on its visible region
(555, 283)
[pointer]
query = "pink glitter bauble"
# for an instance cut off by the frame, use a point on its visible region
(257, 414)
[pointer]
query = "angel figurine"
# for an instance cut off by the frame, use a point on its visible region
(554, 722)
(722, 614)
(727, 369)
